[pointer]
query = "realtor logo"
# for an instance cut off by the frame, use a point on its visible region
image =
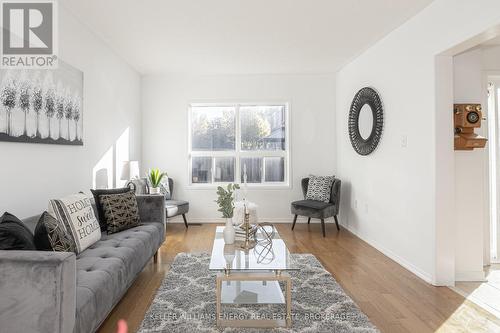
(28, 34)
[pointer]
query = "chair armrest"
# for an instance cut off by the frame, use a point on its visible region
(151, 208)
(38, 291)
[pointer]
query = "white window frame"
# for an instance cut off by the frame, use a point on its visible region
(238, 153)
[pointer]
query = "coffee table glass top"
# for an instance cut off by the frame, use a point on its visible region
(262, 257)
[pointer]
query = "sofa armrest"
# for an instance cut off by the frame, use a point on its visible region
(37, 291)
(151, 208)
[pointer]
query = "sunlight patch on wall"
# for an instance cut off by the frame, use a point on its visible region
(102, 173)
(122, 147)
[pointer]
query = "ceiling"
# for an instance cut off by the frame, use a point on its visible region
(241, 36)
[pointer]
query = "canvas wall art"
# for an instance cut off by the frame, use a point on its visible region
(42, 106)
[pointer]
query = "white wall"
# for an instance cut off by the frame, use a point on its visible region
(30, 174)
(471, 174)
(491, 58)
(405, 194)
(312, 120)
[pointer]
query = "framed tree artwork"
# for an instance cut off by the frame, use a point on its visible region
(42, 105)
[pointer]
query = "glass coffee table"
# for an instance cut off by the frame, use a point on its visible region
(252, 276)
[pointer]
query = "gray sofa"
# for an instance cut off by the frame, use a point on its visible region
(58, 292)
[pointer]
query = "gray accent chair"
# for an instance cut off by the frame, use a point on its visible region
(172, 207)
(60, 292)
(176, 207)
(318, 209)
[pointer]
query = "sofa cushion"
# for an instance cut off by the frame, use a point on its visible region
(14, 235)
(176, 207)
(107, 269)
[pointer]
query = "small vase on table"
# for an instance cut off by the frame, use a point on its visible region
(229, 232)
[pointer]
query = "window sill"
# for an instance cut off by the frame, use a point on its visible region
(254, 187)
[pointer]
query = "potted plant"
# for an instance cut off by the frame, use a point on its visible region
(155, 176)
(225, 200)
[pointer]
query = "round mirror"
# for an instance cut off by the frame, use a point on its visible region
(365, 121)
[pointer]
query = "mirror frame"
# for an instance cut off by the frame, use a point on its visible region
(366, 96)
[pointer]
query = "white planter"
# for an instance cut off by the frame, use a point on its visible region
(229, 232)
(229, 255)
(154, 190)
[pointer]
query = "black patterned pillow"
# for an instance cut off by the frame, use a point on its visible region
(97, 194)
(120, 211)
(52, 235)
(319, 188)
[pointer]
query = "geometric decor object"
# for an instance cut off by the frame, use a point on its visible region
(42, 105)
(366, 96)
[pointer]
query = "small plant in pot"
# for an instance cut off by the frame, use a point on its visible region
(225, 200)
(155, 176)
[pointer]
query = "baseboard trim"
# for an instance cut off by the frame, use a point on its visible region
(388, 253)
(218, 220)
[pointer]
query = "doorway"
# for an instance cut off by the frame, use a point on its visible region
(493, 108)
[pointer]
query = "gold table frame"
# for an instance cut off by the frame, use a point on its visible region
(276, 275)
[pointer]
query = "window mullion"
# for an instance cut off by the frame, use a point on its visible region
(263, 170)
(213, 169)
(237, 165)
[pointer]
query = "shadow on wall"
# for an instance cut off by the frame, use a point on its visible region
(105, 173)
(346, 204)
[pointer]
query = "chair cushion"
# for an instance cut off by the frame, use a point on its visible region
(313, 208)
(311, 204)
(176, 207)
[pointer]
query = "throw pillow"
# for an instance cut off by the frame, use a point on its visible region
(77, 215)
(319, 188)
(52, 235)
(100, 212)
(14, 235)
(120, 211)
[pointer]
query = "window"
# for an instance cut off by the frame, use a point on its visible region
(229, 141)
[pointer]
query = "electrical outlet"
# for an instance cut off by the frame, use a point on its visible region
(355, 203)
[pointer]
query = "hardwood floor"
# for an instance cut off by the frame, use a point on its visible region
(394, 299)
